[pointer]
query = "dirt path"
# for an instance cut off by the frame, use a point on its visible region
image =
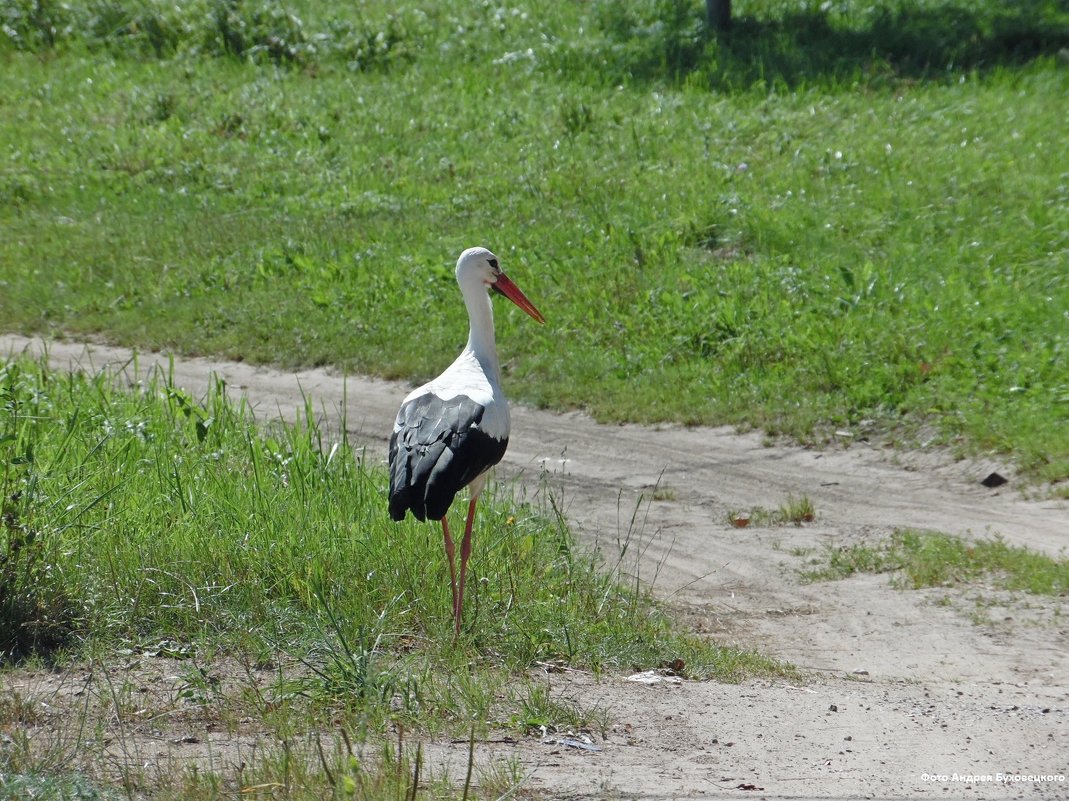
(909, 685)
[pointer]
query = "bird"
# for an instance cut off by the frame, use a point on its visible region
(449, 432)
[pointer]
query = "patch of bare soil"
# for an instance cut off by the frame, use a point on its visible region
(948, 693)
(143, 721)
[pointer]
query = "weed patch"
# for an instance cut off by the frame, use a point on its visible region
(927, 559)
(53, 788)
(795, 510)
(261, 31)
(540, 711)
(172, 519)
(183, 529)
(254, 566)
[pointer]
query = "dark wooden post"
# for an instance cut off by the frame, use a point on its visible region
(717, 15)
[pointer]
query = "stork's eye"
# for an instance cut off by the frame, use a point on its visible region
(494, 264)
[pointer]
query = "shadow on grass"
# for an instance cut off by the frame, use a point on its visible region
(905, 40)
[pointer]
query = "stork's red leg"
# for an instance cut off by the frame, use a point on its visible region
(449, 552)
(465, 552)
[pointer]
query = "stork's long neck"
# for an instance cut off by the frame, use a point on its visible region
(481, 331)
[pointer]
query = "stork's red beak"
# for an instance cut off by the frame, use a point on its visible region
(505, 286)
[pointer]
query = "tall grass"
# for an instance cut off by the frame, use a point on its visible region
(143, 520)
(261, 31)
(155, 515)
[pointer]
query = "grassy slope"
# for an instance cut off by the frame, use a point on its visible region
(883, 240)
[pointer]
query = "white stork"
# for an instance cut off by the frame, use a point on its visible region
(452, 430)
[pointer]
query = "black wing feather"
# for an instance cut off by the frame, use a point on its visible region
(437, 450)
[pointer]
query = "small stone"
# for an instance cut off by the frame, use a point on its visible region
(995, 480)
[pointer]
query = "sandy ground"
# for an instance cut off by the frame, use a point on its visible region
(948, 693)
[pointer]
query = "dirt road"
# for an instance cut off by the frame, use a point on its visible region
(948, 693)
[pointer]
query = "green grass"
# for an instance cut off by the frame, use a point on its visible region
(930, 559)
(52, 788)
(796, 510)
(300, 770)
(145, 521)
(538, 709)
(155, 516)
(825, 219)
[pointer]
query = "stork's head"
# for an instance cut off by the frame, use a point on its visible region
(479, 265)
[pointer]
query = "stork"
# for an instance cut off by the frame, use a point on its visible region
(452, 430)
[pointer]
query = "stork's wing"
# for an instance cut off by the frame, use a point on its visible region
(436, 450)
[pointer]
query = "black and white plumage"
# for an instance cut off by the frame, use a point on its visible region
(436, 450)
(452, 430)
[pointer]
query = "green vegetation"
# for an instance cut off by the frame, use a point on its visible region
(930, 559)
(539, 709)
(52, 788)
(845, 216)
(794, 510)
(299, 771)
(157, 517)
(147, 521)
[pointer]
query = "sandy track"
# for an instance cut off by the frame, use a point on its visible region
(934, 682)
